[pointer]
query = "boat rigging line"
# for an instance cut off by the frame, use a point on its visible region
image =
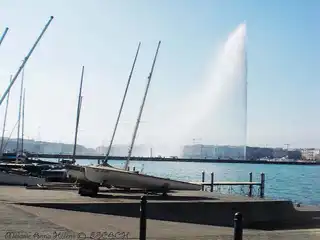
(22, 125)
(25, 61)
(8, 139)
(141, 108)
(121, 107)
(5, 121)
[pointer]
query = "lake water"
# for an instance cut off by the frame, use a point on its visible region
(298, 183)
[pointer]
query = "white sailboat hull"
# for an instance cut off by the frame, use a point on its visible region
(126, 179)
(77, 174)
(16, 179)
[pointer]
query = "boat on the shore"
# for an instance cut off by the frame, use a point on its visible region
(76, 172)
(120, 178)
(19, 177)
(95, 176)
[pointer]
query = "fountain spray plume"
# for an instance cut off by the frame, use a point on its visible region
(216, 111)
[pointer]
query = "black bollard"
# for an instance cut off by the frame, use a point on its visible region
(238, 230)
(203, 179)
(250, 186)
(143, 218)
(262, 185)
(212, 182)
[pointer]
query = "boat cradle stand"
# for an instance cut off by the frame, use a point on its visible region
(89, 189)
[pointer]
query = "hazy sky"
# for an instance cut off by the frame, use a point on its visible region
(283, 64)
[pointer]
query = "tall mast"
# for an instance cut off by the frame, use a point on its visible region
(78, 117)
(19, 114)
(122, 103)
(4, 122)
(141, 108)
(22, 126)
(4, 34)
(24, 62)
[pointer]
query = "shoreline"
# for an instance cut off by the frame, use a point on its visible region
(44, 158)
(223, 161)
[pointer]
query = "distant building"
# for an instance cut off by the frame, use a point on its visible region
(310, 154)
(201, 151)
(33, 146)
(256, 153)
(295, 154)
(122, 150)
(279, 153)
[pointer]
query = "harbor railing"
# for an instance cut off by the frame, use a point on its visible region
(212, 185)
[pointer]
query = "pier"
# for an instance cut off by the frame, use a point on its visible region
(206, 214)
(184, 215)
(10, 156)
(213, 185)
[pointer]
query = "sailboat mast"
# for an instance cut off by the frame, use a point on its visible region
(19, 114)
(78, 117)
(122, 103)
(141, 108)
(4, 35)
(22, 126)
(24, 62)
(5, 122)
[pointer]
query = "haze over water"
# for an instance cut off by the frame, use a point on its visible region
(298, 183)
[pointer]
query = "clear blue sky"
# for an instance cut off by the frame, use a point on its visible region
(283, 63)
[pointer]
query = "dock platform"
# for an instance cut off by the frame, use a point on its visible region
(228, 183)
(182, 215)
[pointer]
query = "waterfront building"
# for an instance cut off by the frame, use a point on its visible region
(202, 151)
(279, 153)
(310, 154)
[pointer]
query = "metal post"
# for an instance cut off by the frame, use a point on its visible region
(262, 185)
(238, 229)
(203, 177)
(250, 186)
(143, 218)
(212, 180)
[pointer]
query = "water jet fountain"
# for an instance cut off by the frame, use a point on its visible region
(217, 111)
